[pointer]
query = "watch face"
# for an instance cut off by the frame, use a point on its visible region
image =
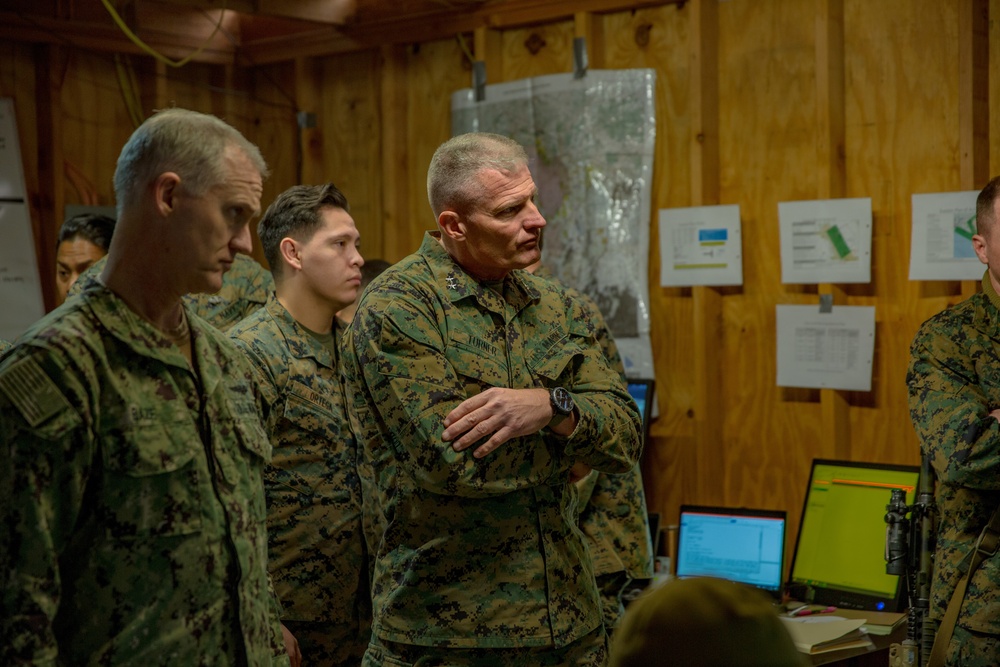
(562, 402)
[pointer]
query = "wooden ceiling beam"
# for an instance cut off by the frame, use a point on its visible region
(16, 26)
(332, 12)
(408, 28)
(177, 28)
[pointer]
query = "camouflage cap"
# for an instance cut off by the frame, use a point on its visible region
(703, 622)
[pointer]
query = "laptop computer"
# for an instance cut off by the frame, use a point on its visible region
(738, 544)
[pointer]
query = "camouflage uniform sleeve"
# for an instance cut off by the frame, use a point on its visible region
(607, 437)
(46, 459)
(604, 336)
(397, 355)
(280, 657)
(259, 286)
(949, 407)
(264, 382)
(397, 373)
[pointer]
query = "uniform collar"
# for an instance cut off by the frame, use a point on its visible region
(988, 290)
(146, 340)
(458, 284)
(301, 344)
(129, 327)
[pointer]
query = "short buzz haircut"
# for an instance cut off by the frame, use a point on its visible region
(985, 218)
(191, 144)
(295, 213)
(453, 175)
(93, 227)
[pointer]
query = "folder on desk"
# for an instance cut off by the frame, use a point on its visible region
(876, 622)
(822, 633)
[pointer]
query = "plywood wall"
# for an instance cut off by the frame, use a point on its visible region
(758, 101)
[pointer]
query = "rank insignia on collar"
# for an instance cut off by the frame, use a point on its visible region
(452, 282)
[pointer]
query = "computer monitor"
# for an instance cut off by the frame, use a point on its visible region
(839, 557)
(738, 544)
(641, 391)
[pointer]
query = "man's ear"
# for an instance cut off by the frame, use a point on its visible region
(452, 225)
(979, 245)
(165, 190)
(289, 250)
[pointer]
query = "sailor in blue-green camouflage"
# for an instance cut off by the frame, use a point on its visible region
(612, 508)
(245, 287)
(132, 514)
(954, 390)
(318, 559)
(478, 552)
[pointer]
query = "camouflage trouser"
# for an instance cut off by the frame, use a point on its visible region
(610, 587)
(590, 651)
(973, 649)
(330, 644)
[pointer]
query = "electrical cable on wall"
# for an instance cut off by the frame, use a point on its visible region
(127, 86)
(150, 50)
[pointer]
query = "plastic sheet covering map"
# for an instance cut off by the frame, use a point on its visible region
(591, 144)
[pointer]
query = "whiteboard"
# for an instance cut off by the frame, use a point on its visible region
(21, 301)
(11, 170)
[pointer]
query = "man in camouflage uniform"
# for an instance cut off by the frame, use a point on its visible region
(316, 550)
(954, 386)
(245, 287)
(612, 508)
(132, 515)
(474, 387)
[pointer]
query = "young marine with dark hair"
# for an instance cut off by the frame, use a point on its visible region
(316, 550)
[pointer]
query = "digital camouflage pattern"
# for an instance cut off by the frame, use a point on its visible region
(316, 550)
(590, 651)
(132, 515)
(954, 383)
(612, 508)
(245, 288)
(477, 553)
(973, 649)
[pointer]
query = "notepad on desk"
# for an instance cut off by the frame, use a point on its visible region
(876, 622)
(822, 633)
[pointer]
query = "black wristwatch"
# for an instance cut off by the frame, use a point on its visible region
(562, 405)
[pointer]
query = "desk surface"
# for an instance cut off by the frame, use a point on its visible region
(863, 657)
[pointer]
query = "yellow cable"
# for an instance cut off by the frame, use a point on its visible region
(148, 49)
(133, 82)
(128, 95)
(465, 48)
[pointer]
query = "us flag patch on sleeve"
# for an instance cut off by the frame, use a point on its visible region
(32, 392)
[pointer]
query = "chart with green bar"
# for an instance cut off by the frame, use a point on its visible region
(826, 241)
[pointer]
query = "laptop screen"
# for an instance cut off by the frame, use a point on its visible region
(840, 550)
(743, 545)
